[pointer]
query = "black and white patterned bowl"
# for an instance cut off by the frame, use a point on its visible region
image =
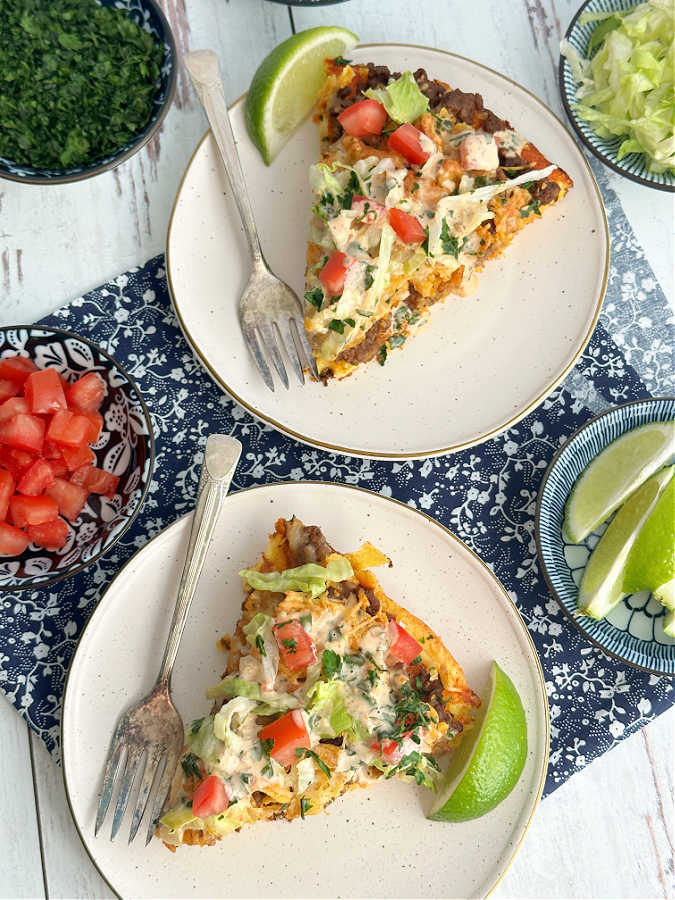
(126, 448)
(150, 17)
(633, 631)
(633, 165)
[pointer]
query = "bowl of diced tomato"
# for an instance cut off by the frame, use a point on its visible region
(76, 455)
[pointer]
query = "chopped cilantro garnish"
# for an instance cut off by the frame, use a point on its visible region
(532, 208)
(425, 242)
(290, 644)
(305, 806)
(190, 765)
(245, 777)
(266, 745)
(372, 677)
(415, 187)
(315, 297)
(418, 659)
(260, 644)
(396, 340)
(331, 663)
(337, 325)
(369, 276)
(196, 725)
(353, 187)
(450, 242)
(350, 322)
(382, 354)
(341, 61)
(302, 752)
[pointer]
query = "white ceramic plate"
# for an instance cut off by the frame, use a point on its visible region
(373, 843)
(483, 362)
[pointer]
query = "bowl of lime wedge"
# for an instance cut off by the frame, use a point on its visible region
(605, 532)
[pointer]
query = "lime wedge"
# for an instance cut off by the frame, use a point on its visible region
(651, 563)
(602, 585)
(669, 623)
(490, 759)
(287, 84)
(614, 474)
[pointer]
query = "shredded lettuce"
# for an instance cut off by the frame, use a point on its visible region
(327, 708)
(402, 98)
(234, 686)
(202, 740)
(229, 719)
(626, 88)
(309, 579)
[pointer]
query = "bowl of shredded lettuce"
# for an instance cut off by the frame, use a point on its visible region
(616, 81)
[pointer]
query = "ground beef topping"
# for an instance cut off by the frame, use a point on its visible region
(376, 335)
(545, 191)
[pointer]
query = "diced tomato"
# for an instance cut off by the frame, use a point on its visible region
(295, 645)
(364, 118)
(8, 389)
(23, 431)
(407, 227)
(87, 394)
(211, 797)
(79, 476)
(32, 510)
(401, 644)
(16, 368)
(77, 456)
(6, 491)
(69, 497)
(69, 429)
(288, 733)
(98, 481)
(13, 541)
(58, 467)
(51, 450)
(406, 140)
(13, 407)
(389, 750)
(16, 461)
(44, 392)
(95, 426)
(36, 479)
(332, 276)
(50, 535)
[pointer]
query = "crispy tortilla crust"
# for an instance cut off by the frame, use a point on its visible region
(433, 284)
(292, 544)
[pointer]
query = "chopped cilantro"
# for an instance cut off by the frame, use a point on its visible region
(305, 806)
(415, 187)
(372, 677)
(267, 770)
(425, 242)
(396, 340)
(245, 777)
(382, 354)
(306, 620)
(337, 325)
(302, 752)
(416, 661)
(369, 276)
(331, 663)
(260, 644)
(290, 644)
(196, 725)
(315, 297)
(480, 181)
(231, 803)
(266, 745)
(353, 187)
(532, 208)
(450, 242)
(341, 61)
(190, 765)
(350, 322)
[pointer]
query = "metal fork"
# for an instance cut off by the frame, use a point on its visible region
(150, 735)
(270, 313)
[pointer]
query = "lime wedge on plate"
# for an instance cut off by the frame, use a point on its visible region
(287, 84)
(602, 586)
(490, 759)
(614, 474)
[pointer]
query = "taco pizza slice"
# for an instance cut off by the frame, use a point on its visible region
(417, 187)
(329, 686)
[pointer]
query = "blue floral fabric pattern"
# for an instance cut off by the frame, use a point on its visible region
(485, 494)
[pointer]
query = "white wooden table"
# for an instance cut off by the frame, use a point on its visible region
(606, 833)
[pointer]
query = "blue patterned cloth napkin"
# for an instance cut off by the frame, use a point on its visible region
(485, 494)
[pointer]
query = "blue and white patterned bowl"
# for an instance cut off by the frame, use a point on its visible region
(150, 17)
(633, 165)
(125, 448)
(633, 632)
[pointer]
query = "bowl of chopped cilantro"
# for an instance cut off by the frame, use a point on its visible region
(84, 84)
(616, 83)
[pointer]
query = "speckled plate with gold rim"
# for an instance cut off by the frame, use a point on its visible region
(482, 364)
(362, 847)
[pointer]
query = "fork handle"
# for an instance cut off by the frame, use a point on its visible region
(221, 455)
(203, 68)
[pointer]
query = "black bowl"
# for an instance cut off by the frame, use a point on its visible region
(126, 448)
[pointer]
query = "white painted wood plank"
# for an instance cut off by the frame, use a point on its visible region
(608, 831)
(21, 867)
(60, 240)
(68, 869)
